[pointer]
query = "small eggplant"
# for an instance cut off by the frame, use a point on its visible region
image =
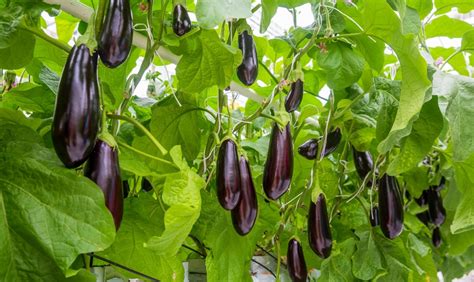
(319, 230)
(435, 207)
(424, 217)
(294, 97)
(181, 20)
(248, 69)
(228, 175)
(374, 216)
(436, 237)
(332, 141)
(390, 207)
(146, 185)
(103, 168)
(309, 149)
(295, 261)
(245, 213)
(363, 163)
(279, 164)
(115, 39)
(76, 114)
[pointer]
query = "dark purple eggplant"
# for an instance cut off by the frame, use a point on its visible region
(294, 97)
(309, 149)
(423, 199)
(279, 164)
(436, 237)
(374, 216)
(76, 115)
(319, 230)
(295, 261)
(228, 175)
(245, 213)
(332, 141)
(181, 20)
(248, 69)
(363, 163)
(103, 168)
(146, 185)
(435, 207)
(126, 188)
(115, 39)
(390, 207)
(424, 217)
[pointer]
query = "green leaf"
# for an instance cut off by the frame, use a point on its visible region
(65, 26)
(269, 8)
(387, 114)
(32, 98)
(467, 43)
(210, 13)
(51, 214)
(338, 266)
(367, 260)
(447, 26)
(372, 50)
(142, 219)
(414, 147)
(181, 125)
(464, 174)
(20, 51)
(421, 6)
(458, 63)
(210, 63)
(444, 6)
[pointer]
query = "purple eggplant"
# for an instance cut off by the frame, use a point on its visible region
(228, 175)
(424, 217)
(245, 213)
(363, 163)
(279, 164)
(319, 230)
(436, 237)
(294, 97)
(423, 199)
(103, 168)
(374, 216)
(248, 70)
(435, 207)
(295, 261)
(390, 207)
(181, 20)
(309, 149)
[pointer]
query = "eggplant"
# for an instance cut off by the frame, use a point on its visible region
(247, 71)
(390, 207)
(228, 175)
(374, 216)
(319, 230)
(146, 185)
(423, 199)
(332, 141)
(363, 163)
(424, 217)
(279, 164)
(76, 114)
(126, 188)
(294, 97)
(309, 149)
(103, 168)
(435, 207)
(181, 20)
(116, 34)
(295, 261)
(436, 237)
(245, 213)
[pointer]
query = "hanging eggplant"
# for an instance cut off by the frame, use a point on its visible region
(76, 115)
(103, 168)
(424, 217)
(294, 97)
(115, 39)
(309, 149)
(435, 206)
(245, 213)
(363, 163)
(332, 141)
(248, 69)
(436, 237)
(423, 199)
(181, 20)
(390, 207)
(228, 175)
(374, 216)
(295, 261)
(319, 230)
(279, 164)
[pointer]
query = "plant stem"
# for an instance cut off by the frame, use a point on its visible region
(45, 37)
(277, 244)
(122, 266)
(99, 20)
(142, 129)
(125, 145)
(449, 58)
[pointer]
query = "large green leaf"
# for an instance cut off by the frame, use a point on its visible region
(212, 12)
(446, 26)
(20, 51)
(467, 43)
(30, 97)
(211, 62)
(338, 266)
(464, 174)
(269, 8)
(367, 260)
(444, 6)
(50, 214)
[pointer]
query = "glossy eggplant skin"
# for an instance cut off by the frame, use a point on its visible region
(332, 141)
(76, 115)
(309, 149)
(435, 207)
(424, 217)
(247, 71)
(279, 164)
(319, 230)
(436, 237)
(103, 168)
(363, 163)
(115, 39)
(181, 20)
(228, 175)
(245, 213)
(374, 216)
(294, 97)
(295, 261)
(390, 207)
